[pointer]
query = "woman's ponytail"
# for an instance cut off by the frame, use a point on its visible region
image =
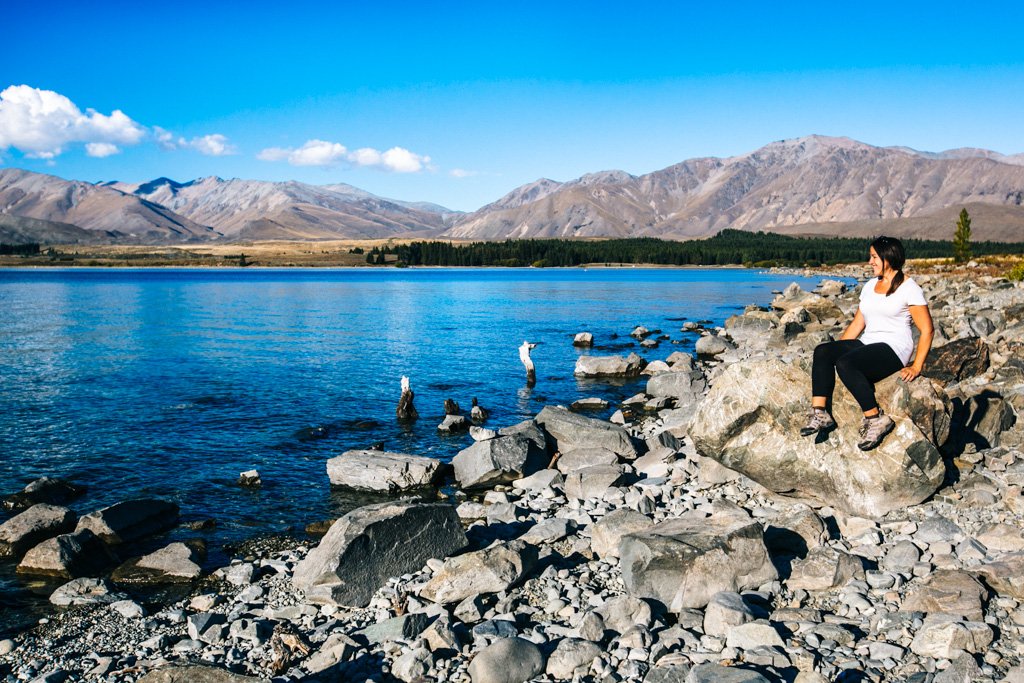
(897, 280)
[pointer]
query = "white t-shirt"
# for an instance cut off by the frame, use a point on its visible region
(887, 318)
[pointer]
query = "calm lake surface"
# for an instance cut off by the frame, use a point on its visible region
(168, 383)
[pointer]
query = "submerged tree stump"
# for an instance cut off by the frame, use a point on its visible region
(524, 355)
(406, 411)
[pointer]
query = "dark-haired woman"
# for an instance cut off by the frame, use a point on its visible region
(888, 304)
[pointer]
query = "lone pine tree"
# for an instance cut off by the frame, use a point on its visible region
(962, 238)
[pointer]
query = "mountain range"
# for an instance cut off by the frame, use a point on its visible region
(809, 185)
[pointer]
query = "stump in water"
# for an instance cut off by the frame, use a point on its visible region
(406, 410)
(478, 414)
(524, 355)
(451, 407)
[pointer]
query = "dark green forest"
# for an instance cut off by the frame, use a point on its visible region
(729, 247)
(31, 249)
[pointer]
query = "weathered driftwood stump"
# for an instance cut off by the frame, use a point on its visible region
(524, 355)
(406, 410)
(478, 414)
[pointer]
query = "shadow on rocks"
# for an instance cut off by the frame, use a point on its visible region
(483, 535)
(367, 666)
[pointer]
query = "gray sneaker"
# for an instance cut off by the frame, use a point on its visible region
(818, 421)
(873, 431)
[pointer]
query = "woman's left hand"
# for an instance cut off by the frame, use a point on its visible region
(909, 373)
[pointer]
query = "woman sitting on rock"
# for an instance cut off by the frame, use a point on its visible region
(888, 304)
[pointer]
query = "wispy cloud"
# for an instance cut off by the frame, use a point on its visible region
(214, 145)
(42, 123)
(328, 154)
(462, 173)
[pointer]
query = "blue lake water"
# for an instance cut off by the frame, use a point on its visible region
(169, 382)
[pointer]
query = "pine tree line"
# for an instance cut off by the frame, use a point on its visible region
(729, 247)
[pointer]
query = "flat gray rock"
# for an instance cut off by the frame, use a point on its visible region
(948, 592)
(174, 563)
(197, 674)
(716, 673)
(507, 660)
(949, 638)
(368, 545)
(85, 591)
(130, 520)
(606, 533)
(682, 563)
(379, 471)
(570, 431)
(594, 482)
(609, 366)
(824, 568)
(570, 654)
(578, 458)
(490, 570)
(750, 422)
(725, 611)
(34, 525)
(685, 386)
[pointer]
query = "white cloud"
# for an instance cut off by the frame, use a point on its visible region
(327, 154)
(101, 149)
(318, 153)
(42, 123)
(401, 160)
(214, 145)
(462, 173)
(367, 156)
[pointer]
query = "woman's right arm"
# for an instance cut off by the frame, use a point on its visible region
(854, 329)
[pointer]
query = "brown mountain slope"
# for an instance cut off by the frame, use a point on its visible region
(988, 222)
(255, 209)
(110, 214)
(813, 180)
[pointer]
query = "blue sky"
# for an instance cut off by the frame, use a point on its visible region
(458, 103)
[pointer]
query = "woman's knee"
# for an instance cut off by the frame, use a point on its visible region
(823, 350)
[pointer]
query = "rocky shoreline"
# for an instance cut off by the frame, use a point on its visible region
(692, 537)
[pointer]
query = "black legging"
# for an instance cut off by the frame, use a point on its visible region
(858, 365)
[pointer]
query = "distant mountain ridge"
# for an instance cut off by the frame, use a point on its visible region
(814, 184)
(812, 180)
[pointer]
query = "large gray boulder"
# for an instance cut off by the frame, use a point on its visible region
(497, 461)
(130, 520)
(682, 563)
(606, 533)
(569, 431)
(685, 386)
(68, 556)
(378, 471)
(594, 481)
(42, 490)
(609, 366)
(174, 563)
(29, 528)
(750, 422)
(372, 543)
(490, 570)
(819, 307)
